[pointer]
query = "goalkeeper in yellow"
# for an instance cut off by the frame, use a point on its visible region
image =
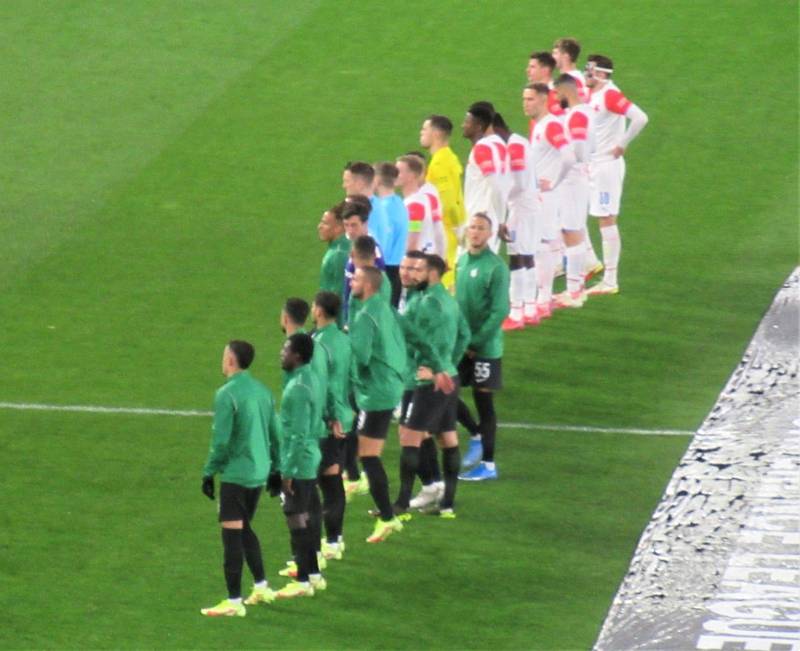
(445, 172)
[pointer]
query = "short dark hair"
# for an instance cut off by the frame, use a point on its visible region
(302, 344)
(441, 123)
(243, 351)
(373, 276)
(570, 46)
(329, 303)
(362, 169)
(417, 255)
(364, 247)
(482, 113)
(539, 89)
(436, 262)
(337, 210)
(297, 310)
(414, 162)
(499, 123)
(545, 59)
(601, 61)
(386, 173)
(356, 204)
(484, 216)
(565, 80)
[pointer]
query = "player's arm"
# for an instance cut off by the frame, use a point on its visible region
(485, 161)
(416, 217)
(222, 429)
(616, 102)
(578, 127)
(428, 325)
(296, 418)
(439, 239)
(554, 133)
(498, 308)
(274, 435)
(463, 336)
(362, 334)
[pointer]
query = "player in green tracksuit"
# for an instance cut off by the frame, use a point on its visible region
(333, 346)
(379, 364)
(301, 409)
(433, 326)
(482, 294)
(245, 451)
(331, 230)
(364, 254)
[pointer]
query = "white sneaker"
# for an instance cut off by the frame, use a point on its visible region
(427, 496)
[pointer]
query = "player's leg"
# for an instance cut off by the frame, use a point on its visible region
(410, 442)
(231, 518)
(466, 372)
(447, 437)
(296, 507)
(449, 279)
(488, 379)
(333, 497)
(252, 552)
(516, 291)
(430, 476)
(605, 205)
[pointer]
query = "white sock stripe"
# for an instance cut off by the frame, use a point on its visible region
(194, 413)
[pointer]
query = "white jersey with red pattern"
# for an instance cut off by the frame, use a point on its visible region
(546, 141)
(609, 106)
(579, 130)
(523, 178)
(486, 179)
(420, 219)
(429, 189)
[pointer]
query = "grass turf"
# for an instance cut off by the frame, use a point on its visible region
(161, 184)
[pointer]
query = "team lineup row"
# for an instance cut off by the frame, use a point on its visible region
(389, 337)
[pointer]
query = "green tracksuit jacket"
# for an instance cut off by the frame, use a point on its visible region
(245, 444)
(379, 356)
(482, 295)
(301, 411)
(334, 347)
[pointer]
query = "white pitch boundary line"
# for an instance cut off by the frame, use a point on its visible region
(193, 413)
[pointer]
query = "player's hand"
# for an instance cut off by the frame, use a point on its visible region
(274, 484)
(208, 487)
(617, 151)
(545, 185)
(424, 373)
(336, 429)
(469, 353)
(444, 383)
(286, 486)
(503, 233)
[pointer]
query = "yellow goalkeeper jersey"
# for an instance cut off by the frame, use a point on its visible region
(445, 172)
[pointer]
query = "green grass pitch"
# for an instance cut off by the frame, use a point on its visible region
(162, 169)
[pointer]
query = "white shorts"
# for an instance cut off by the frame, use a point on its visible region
(573, 204)
(546, 216)
(606, 179)
(521, 227)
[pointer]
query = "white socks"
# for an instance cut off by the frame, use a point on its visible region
(545, 268)
(591, 257)
(516, 292)
(612, 246)
(575, 262)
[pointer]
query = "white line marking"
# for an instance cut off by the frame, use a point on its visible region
(193, 413)
(95, 409)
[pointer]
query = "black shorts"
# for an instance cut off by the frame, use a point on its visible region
(374, 424)
(238, 502)
(481, 373)
(404, 402)
(432, 411)
(302, 498)
(332, 452)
